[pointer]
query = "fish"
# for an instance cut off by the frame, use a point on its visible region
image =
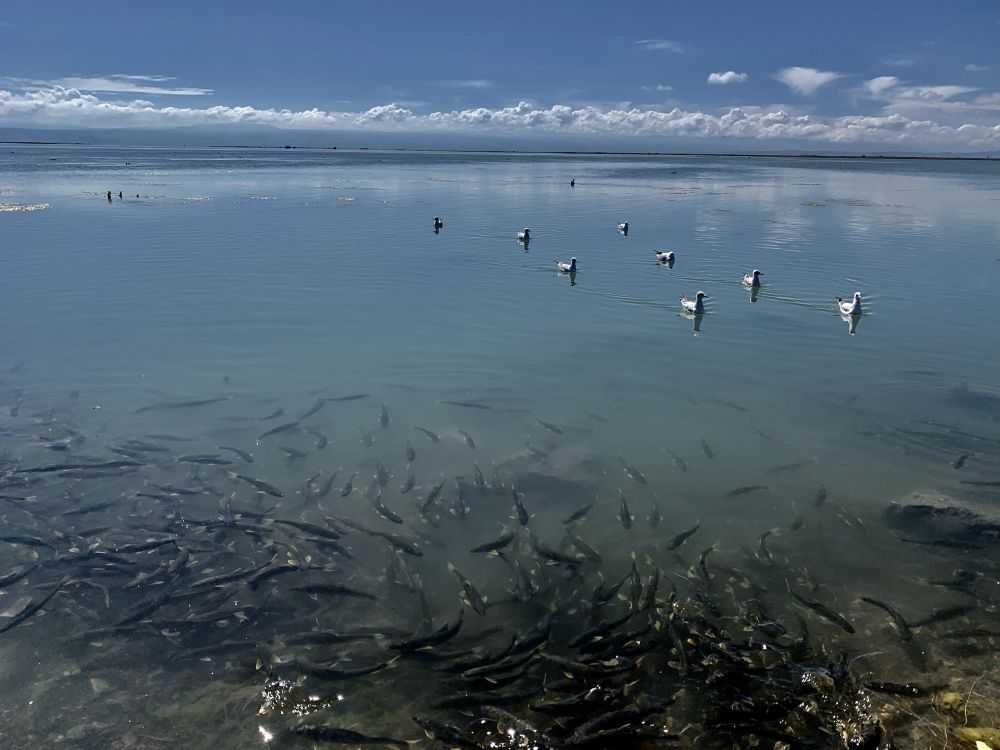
(499, 543)
(286, 427)
(408, 483)
(679, 462)
(631, 472)
(348, 488)
(478, 478)
(948, 543)
(332, 673)
(334, 589)
(241, 454)
(522, 512)
(292, 453)
(180, 404)
(552, 555)
(210, 459)
(22, 571)
(624, 515)
(763, 553)
(960, 461)
(702, 562)
(431, 495)
(32, 607)
(383, 417)
(783, 468)
(798, 520)
(579, 513)
(459, 506)
(820, 497)
(472, 596)
(383, 511)
(445, 733)
(730, 404)
(321, 440)
(432, 436)
(468, 439)
(367, 439)
(310, 528)
(683, 536)
(411, 455)
(707, 448)
(585, 549)
(467, 404)
(654, 516)
(825, 612)
(745, 490)
(550, 427)
(401, 543)
(92, 508)
(351, 397)
(273, 415)
(258, 484)
(443, 634)
(317, 405)
(897, 619)
(381, 475)
(943, 615)
(339, 735)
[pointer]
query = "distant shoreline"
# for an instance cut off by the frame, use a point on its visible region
(723, 154)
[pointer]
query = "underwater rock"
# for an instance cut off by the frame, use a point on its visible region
(935, 515)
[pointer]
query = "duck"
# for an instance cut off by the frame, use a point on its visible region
(695, 306)
(623, 227)
(664, 256)
(437, 222)
(752, 280)
(524, 235)
(566, 267)
(850, 308)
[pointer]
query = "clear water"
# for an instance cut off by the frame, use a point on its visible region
(274, 277)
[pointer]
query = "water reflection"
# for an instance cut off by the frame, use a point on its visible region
(852, 322)
(754, 291)
(696, 318)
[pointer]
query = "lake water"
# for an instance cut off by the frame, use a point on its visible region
(283, 280)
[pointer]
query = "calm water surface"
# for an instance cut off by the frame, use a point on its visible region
(274, 279)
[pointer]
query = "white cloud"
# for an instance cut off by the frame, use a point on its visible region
(61, 107)
(900, 61)
(931, 94)
(973, 68)
(116, 83)
(658, 87)
(988, 100)
(876, 86)
(806, 80)
(475, 83)
(663, 44)
(730, 76)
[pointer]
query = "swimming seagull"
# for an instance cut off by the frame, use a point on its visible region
(437, 222)
(695, 306)
(664, 257)
(566, 267)
(850, 308)
(623, 227)
(752, 280)
(524, 236)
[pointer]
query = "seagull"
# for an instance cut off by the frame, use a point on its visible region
(524, 235)
(752, 280)
(664, 257)
(850, 308)
(437, 222)
(623, 227)
(566, 267)
(696, 305)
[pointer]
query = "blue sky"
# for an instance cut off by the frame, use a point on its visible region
(846, 74)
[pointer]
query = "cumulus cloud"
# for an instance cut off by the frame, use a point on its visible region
(900, 61)
(973, 68)
(116, 83)
(730, 76)
(59, 106)
(876, 86)
(658, 87)
(662, 44)
(806, 80)
(474, 83)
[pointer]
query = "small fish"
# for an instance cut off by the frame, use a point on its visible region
(679, 462)
(682, 537)
(550, 427)
(825, 612)
(783, 468)
(948, 543)
(459, 507)
(499, 543)
(432, 436)
(632, 472)
(467, 404)
(242, 454)
(820, 496)
(209, 459)
(411, 455)
(468, 439)
(522, 512)
(180, 404)
(381, 474)
(384, 511)
(366, 438)
(408, 483)
(654, 517)
(942, 615)
(348, 488)
(292, 453)
(552, 555)
(352, 397)
(960, 461)
(897, 619)
(745, 490)
(432, 495)
(383, 417)
(763, 553)
(707, 448)
(730, 404)
(286, 427)
(273, 415)
(479, 479)
(472, 597)
(317, 405)
(342, 736)
(579, 513)
(321, 440)
(624, 515)
(798, 520)
(585, 549)
(324, 489)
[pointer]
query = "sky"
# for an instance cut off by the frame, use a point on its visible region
(919, 76)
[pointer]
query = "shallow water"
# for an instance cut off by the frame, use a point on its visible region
(272, 278)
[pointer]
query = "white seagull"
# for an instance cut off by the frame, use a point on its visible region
(850, 308)
(752, 280)
(566, 267)
(664, 257)
(623, 227)
(695, 306)
(524, 235)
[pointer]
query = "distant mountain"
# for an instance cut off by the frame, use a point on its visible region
(244, 136)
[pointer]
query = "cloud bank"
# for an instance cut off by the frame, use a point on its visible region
(67, 107)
